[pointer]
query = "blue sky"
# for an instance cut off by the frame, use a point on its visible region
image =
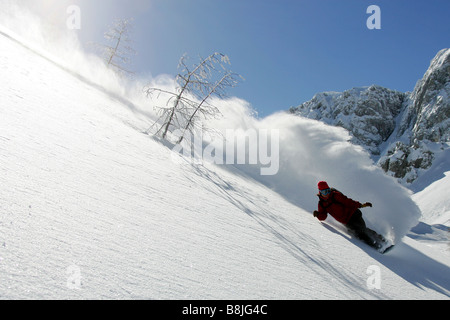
(287, 50)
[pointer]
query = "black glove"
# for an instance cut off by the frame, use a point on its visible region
(316, 213)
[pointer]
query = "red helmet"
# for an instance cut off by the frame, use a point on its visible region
(323, 185)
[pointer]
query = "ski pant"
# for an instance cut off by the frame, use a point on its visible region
(357, 226)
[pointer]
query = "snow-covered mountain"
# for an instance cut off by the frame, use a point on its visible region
(369, 113)
(406, 133)
(92, 208)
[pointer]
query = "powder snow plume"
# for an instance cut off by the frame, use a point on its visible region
(61, 46)
(311, 151)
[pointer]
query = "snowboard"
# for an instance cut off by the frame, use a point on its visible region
(378, 243)
(387, 249)
(381, 244)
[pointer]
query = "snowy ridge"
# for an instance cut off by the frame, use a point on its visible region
(91, 208)
(369, 113)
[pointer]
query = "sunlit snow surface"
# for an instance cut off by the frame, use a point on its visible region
(93, 208)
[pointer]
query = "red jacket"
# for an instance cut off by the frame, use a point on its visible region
(338, 205)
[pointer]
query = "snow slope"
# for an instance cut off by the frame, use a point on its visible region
(91, 208)
(433, 201)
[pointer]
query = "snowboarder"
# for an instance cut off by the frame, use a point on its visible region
(346, 211)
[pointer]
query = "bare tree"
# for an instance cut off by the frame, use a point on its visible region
(190, 103)
(117, 53)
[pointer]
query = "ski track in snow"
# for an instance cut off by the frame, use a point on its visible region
(83, 190)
